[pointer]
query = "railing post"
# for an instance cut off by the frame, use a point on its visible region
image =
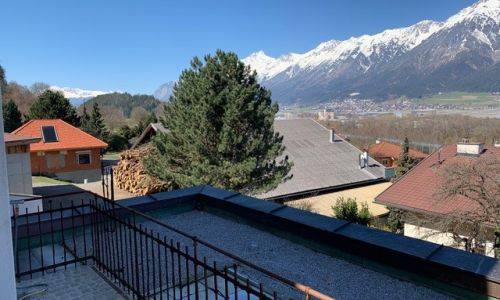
(102, 179)
(112, 183)
(195, 249)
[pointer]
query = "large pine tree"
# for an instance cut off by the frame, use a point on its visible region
(53, 105)
(220, 123)
(12, 118)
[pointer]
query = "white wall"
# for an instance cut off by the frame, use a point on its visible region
(7, 275)
(438, 237)
(19, 170)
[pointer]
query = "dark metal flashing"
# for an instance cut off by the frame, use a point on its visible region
(321, 191)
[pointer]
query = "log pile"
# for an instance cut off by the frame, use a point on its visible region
(131, 176)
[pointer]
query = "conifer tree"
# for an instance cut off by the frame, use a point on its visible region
(94, 123)
(11, 116)
(85, 120)
(97, 122)
(220, 123)
(53, 105)
(405, 162)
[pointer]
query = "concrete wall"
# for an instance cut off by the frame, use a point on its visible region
(19, 173)
(7, 275)
(30, 206)
(438, 237)
(322, 204)
(79, 176)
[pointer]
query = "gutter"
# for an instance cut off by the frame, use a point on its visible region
(320, 191)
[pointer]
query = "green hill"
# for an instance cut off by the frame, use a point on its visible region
(124, 102)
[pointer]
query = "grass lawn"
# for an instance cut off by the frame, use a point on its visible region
(42, 180)
(111, 156)
(460, 98)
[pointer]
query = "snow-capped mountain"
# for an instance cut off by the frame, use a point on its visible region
(461, 53)
(78, 96)
(164, 91)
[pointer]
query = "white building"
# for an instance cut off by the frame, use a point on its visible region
(17, 150)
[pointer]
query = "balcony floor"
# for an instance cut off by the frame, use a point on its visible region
(81, 282)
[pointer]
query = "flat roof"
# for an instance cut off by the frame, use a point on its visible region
(12, 139)
(332, 256)
(345, 244)
(329, 275)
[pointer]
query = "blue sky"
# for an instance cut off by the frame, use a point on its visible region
(134, 46)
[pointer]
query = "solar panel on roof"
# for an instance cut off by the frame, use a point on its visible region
(49, 134)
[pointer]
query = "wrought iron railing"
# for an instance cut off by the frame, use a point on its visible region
(142, 261)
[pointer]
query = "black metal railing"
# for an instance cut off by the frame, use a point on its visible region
(120, 242)
(148, 265)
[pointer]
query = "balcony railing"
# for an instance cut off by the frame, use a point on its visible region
(142, 261)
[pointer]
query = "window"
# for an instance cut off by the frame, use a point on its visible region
(49, 134)
(83, 158)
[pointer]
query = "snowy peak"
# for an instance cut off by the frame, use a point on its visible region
(459, 54)
(76, 93)
(333, 50)
(482, 11)
(387, 44)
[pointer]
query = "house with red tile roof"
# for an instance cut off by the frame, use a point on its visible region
(417, 191)
(63, 150)
(387, 153)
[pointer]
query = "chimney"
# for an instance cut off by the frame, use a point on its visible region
(467, 148)
(496, 144)
(332, 135)
(377, 141)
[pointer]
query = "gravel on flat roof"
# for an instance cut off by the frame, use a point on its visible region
(329, 275)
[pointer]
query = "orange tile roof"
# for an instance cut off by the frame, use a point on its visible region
(69, 137)
(418, 188)
(386, 149)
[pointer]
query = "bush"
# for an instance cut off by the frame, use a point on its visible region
(395, 220)
(117, 142)
(304, 205)
(347, 209)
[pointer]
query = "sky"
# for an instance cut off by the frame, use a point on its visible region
(136, 45)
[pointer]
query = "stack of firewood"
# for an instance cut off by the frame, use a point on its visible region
(131, 176)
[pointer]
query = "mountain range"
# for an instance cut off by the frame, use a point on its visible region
(459, 54)
(78, 96)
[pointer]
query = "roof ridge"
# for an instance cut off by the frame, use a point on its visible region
(318, 123)
(22, 126)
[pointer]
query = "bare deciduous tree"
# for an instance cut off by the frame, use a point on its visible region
(476, 181)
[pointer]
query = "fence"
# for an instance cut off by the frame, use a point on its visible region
(143, 262)
(107, 181)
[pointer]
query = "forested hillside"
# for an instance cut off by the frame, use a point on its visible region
(125, 102)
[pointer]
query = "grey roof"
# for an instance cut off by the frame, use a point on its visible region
(319, 163)
(158, 127)
(144, 137)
